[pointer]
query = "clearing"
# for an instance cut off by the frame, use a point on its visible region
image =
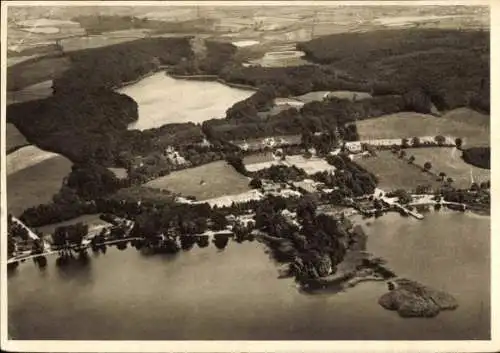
(120, 173)
(35, 184)
(471, 126)
(449, 161)
(208, 181)
(394, 173)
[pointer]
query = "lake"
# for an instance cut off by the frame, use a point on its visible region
(235, 293)
(164, 100)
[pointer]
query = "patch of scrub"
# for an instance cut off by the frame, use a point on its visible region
(35, 184)
(26, 157)
(39, 90)
(208, 181)
(164, 100)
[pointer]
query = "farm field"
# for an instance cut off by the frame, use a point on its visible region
(39, 90)
(449, 161)
(35, 71)
(13, 138)
(394, 173)
(26, 157)
(93, 221)
(35, 184)
(467, 124)
(208, 181)
(97, 41)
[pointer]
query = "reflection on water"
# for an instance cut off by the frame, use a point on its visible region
(206, 293)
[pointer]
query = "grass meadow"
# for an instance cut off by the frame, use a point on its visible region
(204, 182)
(471, 126)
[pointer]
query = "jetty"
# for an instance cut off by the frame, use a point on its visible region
(394, 203)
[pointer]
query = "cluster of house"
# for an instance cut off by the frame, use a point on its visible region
(268, 142)
(174, 157)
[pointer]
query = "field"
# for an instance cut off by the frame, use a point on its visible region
(13, 138)
(79, 43)
(35, 184)
(449, 161)
(26, 157)
(394, 173)
(464, 123)
(208, 181)
(39, 90)
(35, 71)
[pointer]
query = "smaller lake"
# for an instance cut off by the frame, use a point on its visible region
(165, 100)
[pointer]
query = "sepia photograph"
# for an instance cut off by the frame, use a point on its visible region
(244, 171)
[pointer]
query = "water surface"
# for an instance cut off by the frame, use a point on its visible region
(235, 293)
(164, 100)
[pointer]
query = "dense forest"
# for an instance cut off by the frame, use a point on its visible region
(112, 66)
(452, 66)
(477, 156)
(332, 114)
(81, 126)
